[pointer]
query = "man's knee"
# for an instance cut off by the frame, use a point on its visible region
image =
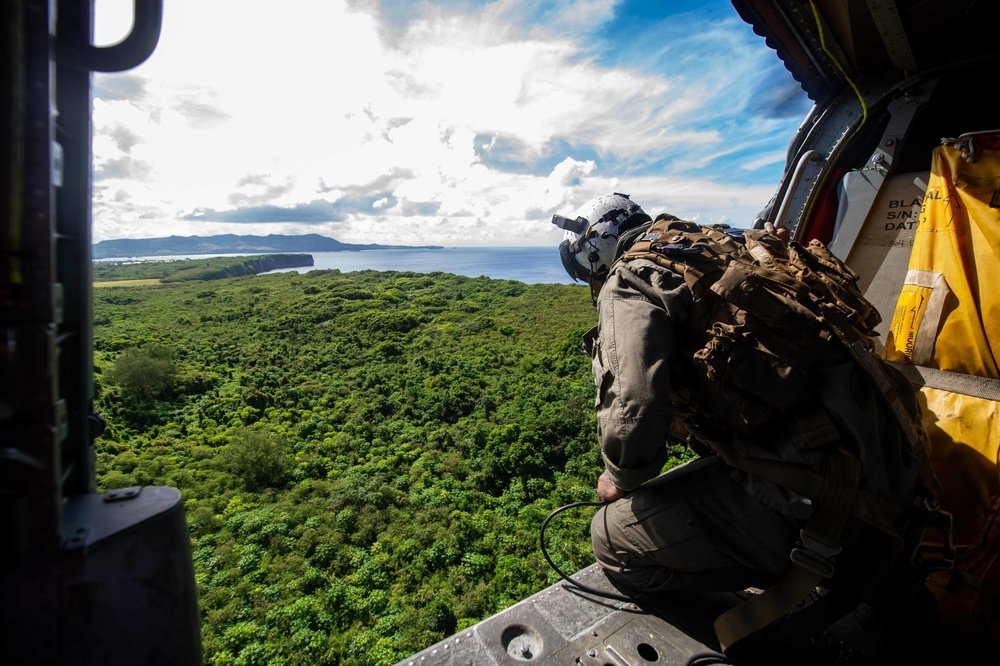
(619, 560)
(601, 538)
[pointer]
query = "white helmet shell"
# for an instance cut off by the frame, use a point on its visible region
(592, 234)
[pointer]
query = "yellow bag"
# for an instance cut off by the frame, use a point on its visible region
(948, 314)
(964, 432)
(948, 319)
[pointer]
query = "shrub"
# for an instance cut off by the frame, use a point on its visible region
(257, 458)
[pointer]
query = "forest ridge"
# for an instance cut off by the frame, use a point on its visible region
(229, 244)
(365, 458)
(110, 273)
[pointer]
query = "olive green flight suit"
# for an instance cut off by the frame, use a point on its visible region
(705, 525)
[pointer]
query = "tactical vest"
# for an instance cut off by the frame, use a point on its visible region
(762, 315)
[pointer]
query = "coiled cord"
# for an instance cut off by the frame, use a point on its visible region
(574, 583)
(703, 658)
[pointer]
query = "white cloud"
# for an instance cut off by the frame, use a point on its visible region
(436, 129)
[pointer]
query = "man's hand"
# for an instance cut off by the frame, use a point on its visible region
(782, 232)
(607, 491)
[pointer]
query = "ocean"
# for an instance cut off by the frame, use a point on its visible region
(525, 264)
(535, 265)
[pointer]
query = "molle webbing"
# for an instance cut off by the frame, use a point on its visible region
(758, 317)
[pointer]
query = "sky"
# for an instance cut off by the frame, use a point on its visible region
(435, 122)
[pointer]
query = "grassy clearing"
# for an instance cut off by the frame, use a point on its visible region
(126, 283)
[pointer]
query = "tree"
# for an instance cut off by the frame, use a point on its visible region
(146, 373)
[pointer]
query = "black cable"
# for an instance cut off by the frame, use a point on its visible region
(694, 660)
(577, 584)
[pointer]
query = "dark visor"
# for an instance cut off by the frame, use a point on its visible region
(566, 252)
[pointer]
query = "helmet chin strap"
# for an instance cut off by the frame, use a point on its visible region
(596, 281)
(596, 284)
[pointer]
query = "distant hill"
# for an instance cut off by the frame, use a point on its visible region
(231, 244)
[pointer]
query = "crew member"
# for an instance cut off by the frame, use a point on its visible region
(784, 422)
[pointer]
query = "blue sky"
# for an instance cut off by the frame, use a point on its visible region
(451, 122)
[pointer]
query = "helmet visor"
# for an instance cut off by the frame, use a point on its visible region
(566, 254)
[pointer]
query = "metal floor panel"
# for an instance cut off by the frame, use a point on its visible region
(562, 625)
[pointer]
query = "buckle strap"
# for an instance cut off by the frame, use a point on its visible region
(814, 555)
(820, 543)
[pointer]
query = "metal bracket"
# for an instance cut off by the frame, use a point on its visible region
(878, 168)
(890, 27)
(10, 454)
(934, 556)
(78, 538)
(121, 494)
(132, 51)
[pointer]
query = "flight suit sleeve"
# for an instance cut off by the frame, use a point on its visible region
(639, 311)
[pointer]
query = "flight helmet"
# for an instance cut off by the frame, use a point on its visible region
(592, 234)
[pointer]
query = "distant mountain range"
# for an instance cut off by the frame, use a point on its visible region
(232, 244)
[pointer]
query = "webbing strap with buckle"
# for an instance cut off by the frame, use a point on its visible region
(812, 557)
